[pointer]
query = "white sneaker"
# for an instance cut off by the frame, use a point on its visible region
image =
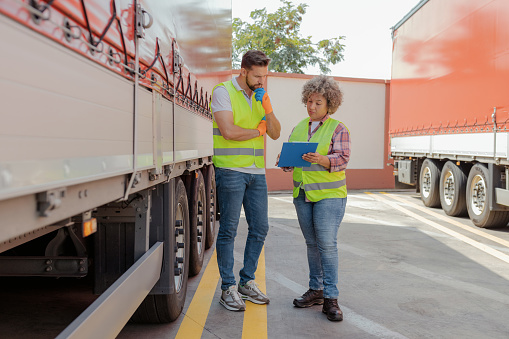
(250, 291)
(231, 299)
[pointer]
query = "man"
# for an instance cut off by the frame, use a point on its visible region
(242, 115)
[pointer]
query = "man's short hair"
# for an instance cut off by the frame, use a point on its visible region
(254, 58)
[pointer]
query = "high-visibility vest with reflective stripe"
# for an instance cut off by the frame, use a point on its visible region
(231, 153)
(317, 181)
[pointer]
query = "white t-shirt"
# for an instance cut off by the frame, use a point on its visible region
(314, 124)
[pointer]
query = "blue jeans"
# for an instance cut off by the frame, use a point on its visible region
(319, 222)
(235, 189)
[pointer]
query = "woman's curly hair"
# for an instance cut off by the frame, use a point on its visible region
(325, 86)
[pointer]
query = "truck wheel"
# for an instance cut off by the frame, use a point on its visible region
(453, 184)
(197, 218)
(210, 205)
(429, 183)
(165, 308)
(478, 200)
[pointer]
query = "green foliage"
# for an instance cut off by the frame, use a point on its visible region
(277, 35)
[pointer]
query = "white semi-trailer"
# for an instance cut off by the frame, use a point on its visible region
(106, 148)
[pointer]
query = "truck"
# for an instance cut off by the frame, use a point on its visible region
(449, 104)
(106, 149)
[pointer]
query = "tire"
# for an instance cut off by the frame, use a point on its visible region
(197, 222)
(429, 183)
(210, 205)
(165, 308)
(478, 200)
(453, 187)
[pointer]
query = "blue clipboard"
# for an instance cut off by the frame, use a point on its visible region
(292, 152)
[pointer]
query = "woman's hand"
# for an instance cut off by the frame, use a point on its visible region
(317, 158)
(285, 169)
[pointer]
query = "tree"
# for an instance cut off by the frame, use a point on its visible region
(277, 35)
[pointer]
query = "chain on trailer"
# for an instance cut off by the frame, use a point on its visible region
(198, 102)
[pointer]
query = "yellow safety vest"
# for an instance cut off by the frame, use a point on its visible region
(317, 181)
(231, 153)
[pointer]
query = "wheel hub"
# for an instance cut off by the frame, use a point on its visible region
(179, 248)
(478, 194)
(426, 182)
(449, 188)
(200, 241)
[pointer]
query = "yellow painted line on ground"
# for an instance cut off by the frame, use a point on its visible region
(255, 316)
(482, 247)
(451, 221)
(196, 316)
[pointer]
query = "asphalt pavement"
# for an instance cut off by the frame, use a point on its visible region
(405, 271)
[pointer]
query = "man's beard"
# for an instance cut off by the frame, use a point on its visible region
(252, 87)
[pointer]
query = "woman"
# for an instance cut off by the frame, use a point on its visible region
(320, 191)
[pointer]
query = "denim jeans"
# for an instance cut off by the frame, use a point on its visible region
(319, 222)
(235, 189)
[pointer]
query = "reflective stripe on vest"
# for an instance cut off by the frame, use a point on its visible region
(324, 185)
(231, 153)
(314, 167)
(318, 183)
(238, 151)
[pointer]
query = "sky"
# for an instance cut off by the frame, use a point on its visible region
(366, 24)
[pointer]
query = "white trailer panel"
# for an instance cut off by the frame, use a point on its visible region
(87, 132)
(472, 145)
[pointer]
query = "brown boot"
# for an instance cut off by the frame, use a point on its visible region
(310, 298)
(332, 310)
